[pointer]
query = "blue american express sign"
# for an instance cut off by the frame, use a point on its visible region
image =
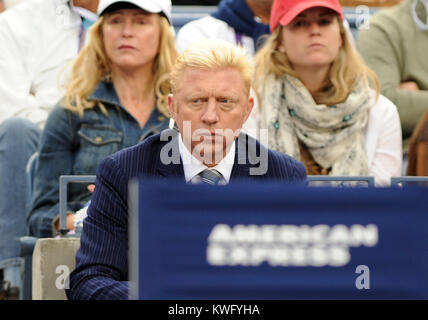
(277, 241)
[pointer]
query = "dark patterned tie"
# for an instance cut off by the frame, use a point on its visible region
(210, 176)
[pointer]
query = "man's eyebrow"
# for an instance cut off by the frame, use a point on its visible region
(194, 96)
(228, 95)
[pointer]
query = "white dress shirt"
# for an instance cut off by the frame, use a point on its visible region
(193, 167)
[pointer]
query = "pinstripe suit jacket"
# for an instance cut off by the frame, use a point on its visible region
(102, 260)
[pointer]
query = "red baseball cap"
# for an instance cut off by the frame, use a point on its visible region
(284, 11)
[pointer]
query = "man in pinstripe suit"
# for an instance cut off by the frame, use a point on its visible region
(210, 103)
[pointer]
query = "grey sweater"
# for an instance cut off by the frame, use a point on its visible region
(397, 51)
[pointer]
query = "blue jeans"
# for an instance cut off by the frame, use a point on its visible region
(19, 139)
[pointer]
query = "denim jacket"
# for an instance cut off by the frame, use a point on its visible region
(74, 145)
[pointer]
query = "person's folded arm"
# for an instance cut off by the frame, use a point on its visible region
(387, 159)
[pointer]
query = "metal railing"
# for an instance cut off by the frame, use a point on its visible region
(409, 180)
(341, 181)
(336, 181)
(63, 187)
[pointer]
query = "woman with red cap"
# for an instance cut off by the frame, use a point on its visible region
(318, 100)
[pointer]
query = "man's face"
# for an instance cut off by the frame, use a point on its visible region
(210, 107)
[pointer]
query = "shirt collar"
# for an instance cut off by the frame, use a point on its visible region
(193, 166)
(105, 92)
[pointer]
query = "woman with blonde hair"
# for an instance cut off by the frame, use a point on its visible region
(318, 100)
(115, 98)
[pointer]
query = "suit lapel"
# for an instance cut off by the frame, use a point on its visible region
(171, 170)
(241, 167)
(170, 165)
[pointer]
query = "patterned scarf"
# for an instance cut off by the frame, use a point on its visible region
(333, 135)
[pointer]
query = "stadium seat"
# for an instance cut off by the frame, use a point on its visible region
(184, 14)
(406, 181)
(53, 260)
(340, 181)
(27, 243)
(42, 255)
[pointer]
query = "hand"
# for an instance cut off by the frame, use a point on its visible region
(69, 222)
(70, 217)
(409, 86)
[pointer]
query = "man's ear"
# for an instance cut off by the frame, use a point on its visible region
(250, 106)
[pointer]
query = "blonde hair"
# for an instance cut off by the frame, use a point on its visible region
(92, 66)
(345, 73)
(213, 54)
